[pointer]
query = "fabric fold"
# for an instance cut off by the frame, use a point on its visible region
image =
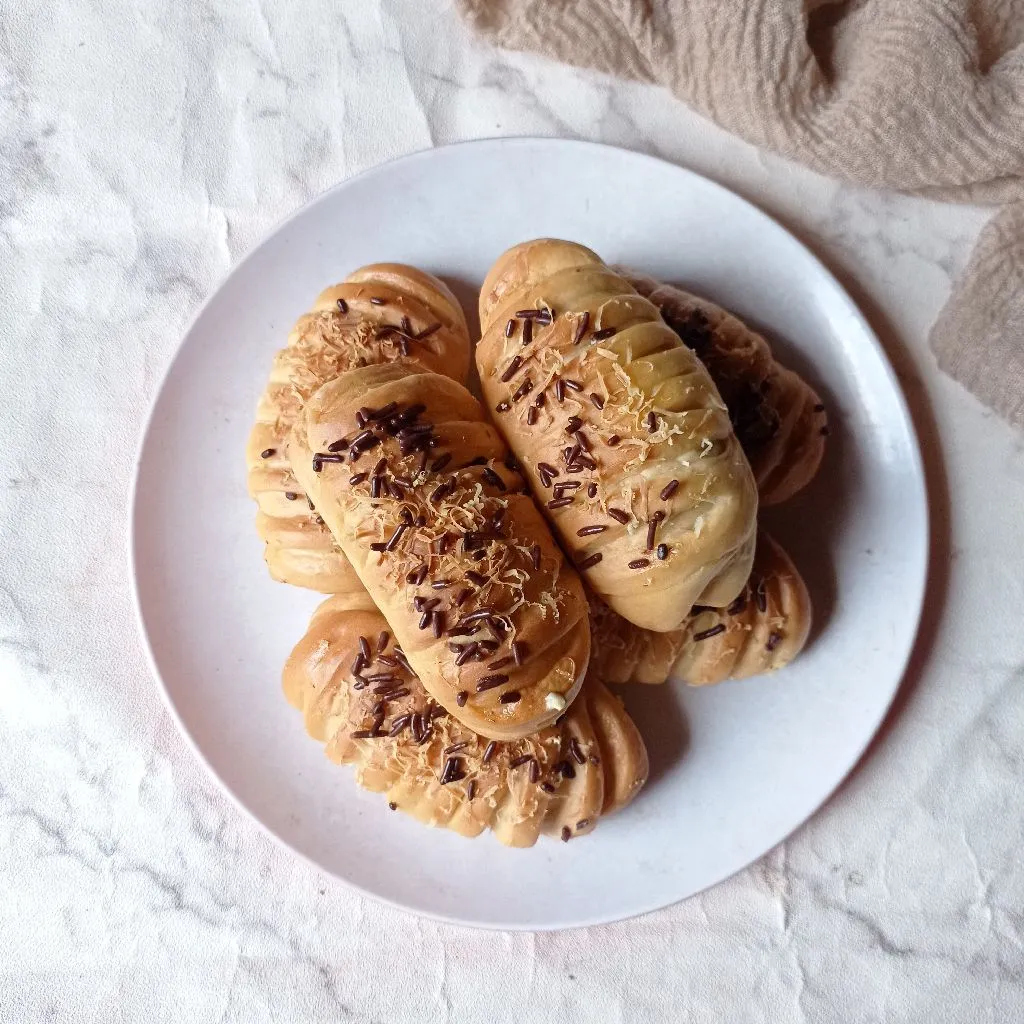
(922, 96)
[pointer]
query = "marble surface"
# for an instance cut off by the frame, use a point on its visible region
(144, 148)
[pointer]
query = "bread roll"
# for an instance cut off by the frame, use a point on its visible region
(779, 419)
(379, 313)
(423, 497)
(761, 631)
(403, 744)
(620, 431)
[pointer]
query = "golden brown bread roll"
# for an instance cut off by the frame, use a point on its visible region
(761, 631)
(621, 432)
(779, 419)
(418, 490)
(402, 743)
(377, 314)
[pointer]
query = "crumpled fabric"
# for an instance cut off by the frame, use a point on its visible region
(923, 96)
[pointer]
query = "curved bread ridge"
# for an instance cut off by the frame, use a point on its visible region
(379, 313)
(778, 417)
(764, 629)
(403, 744)
(621, 432)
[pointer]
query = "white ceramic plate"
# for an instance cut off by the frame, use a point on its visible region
(734, 768)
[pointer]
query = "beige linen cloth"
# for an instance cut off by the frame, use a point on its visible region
(925, 96)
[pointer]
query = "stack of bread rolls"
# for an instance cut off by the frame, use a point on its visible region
(492, 566)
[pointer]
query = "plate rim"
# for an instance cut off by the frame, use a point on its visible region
(923, 542)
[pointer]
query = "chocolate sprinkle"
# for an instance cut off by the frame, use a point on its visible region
(523, 390)
(267, 452)
(597, 400)
(581, 327)
(613, 440)
(535, 555)
(576, 751)
(534, 769)
(774, 638)
(559, 502)
(376, 301)
(531, 415)
(652, 529)
(590, 531)
(452, 772)
(706, 634)
(512, 697)
(489, 751)
(494, 479)
(591, 490)
(662, 552)
(618, 515)
(489, 682)
(290, 495)
(639, 563)
(527, 332)
(512, 369)
(427, 332)
(566, 833)
(471, 789)
(518, 762)
(510, 328)
(342, 306)
(520, 650)
(399, 724)
(358, 478)
(605, 332)
(396, 536)
(651, 421)
(463, 656)
(589, 563)
(669, 489)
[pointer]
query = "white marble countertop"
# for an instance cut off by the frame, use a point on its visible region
(145, 147)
